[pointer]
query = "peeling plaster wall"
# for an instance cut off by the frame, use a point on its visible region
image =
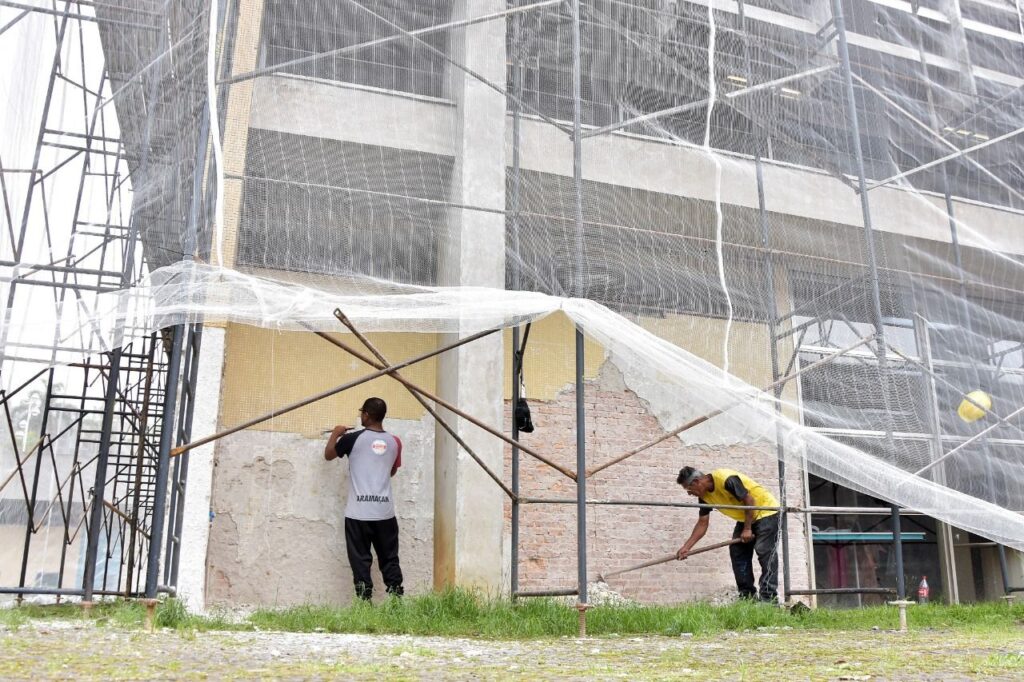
(618, 420)
(278, 535)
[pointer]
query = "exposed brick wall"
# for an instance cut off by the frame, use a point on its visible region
(618, 536)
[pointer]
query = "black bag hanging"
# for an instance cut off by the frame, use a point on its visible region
(521, 411)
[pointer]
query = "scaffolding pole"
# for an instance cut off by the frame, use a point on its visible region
(869, 247)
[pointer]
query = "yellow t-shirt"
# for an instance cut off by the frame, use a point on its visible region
(722, 495)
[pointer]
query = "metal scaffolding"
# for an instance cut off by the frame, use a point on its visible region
(88, 417)
(110, 456)
(872, 348)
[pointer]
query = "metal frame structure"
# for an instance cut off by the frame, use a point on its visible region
(142, 458)
(92, 500)
(834, 30)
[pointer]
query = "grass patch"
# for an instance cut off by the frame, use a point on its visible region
(459, 613)
(12, 619)
(118, 613)
(451, 613)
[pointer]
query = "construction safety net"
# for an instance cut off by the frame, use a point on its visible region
(828, 188)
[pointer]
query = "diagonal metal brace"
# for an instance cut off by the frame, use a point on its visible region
(328, 393)
(445, 404)
(440, 420)
(714, 413)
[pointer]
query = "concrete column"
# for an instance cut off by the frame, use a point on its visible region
(468, 507)
(235, 136)
(195, 533)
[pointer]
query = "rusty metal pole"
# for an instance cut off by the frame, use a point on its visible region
(581, 487)
(440, 420)
(448, 406)
(328, 393)
(163, 462)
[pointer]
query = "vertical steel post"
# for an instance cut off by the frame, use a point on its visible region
(578, 289)
(517, 93)
(514, 567)
(947, 557)
(140, 458)
(182, 433)
(869, 248)
(897, 545)
(1004, 570)
(191, 375)
(772, 311)
(100, 480)
(163, 463)
(581, 474)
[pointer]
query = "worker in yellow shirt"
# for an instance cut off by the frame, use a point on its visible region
(758, 529)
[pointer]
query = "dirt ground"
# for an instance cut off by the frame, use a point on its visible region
(83, 650)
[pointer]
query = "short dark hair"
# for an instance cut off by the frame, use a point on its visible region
(687, 475)
(376, 408)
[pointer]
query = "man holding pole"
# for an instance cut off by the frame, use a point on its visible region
(374, 457)
(757, 529)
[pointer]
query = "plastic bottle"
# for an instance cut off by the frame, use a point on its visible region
(922, 590)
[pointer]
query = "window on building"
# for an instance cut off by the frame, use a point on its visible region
(349, 213)
(296, 29)
(642, 251)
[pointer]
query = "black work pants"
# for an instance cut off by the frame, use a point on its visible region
(382, 536)
(766, 535)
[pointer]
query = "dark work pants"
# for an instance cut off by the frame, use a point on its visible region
(383, 537)
(766, 536)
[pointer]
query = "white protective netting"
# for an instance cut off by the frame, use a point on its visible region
(384, 173)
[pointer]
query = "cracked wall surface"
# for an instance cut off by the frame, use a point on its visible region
(277, 535)
(617, 419)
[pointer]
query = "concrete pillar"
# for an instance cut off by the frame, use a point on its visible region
(235, 136)
(468, 507)
(195, 533)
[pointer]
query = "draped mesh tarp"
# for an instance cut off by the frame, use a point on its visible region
(350, 162)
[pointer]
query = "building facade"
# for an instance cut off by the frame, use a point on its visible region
(442, 158)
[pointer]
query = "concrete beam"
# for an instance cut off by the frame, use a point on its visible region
(344, 112)
(300, 105)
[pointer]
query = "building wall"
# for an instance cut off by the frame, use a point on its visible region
(278, 537)
(266, 369)
(277, 533)
(277, 530)
(301, 106)
(618, 420)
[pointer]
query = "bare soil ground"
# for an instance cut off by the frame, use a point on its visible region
(85, 650)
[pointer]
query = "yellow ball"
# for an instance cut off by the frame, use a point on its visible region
(971, 412)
